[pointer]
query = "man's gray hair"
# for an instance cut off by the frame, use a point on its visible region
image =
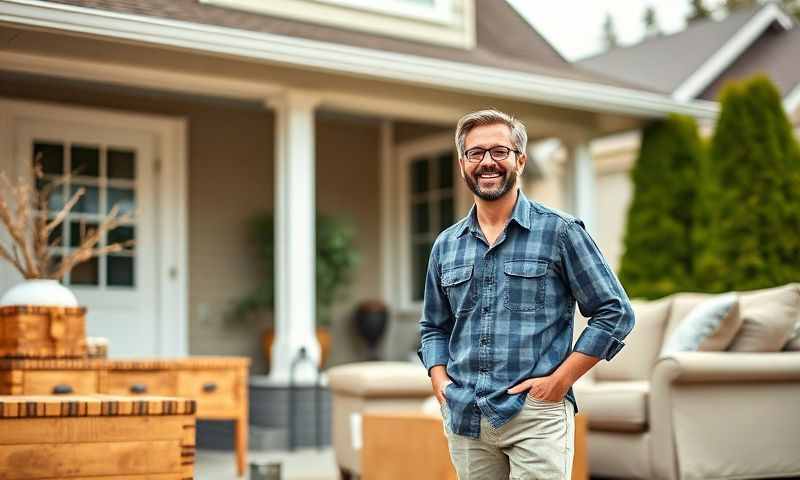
(491, 117)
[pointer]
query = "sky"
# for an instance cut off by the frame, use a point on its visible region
(575, 27)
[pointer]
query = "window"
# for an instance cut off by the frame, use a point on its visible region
(431, 204)
(427, 195)
(449, 23)
(107, 175)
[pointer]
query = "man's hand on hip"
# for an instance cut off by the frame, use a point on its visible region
(550, 388)
(439, 381)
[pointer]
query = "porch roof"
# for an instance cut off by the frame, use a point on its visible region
(545, 82)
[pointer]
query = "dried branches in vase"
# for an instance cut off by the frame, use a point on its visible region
(25, 214)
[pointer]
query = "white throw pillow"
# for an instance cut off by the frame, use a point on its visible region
(709, 326)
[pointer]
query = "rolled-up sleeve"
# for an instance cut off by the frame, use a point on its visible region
(598, 292)
(436, 322)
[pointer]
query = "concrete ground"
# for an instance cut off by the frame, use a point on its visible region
(301, 464)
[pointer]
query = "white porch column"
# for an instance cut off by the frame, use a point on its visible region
(579, 182)
(295, 258)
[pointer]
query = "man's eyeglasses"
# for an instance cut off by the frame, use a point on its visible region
(498, 153)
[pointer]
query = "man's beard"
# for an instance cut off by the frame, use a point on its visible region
(507, 182)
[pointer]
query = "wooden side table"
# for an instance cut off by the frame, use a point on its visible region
(98, 436)
(218, 384)
(414, 445)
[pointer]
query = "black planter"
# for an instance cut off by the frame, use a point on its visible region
(371, 319)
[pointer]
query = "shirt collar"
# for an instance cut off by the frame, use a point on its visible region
(520, 214)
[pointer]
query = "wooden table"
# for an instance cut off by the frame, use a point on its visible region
(414, 445)
(97, 437)
(218, 384)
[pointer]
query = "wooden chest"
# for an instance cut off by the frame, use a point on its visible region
(218, 384)
(97, 436)
(37, 332)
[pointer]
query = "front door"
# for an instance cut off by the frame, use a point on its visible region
(115, 166)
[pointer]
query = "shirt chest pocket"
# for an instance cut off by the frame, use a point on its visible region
(457, 285)
(525, 284)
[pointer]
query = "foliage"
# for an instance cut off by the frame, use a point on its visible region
(336, 260)
(610, 33)
(658, 257)
(750, 197)
(650, 20)
(699, 11)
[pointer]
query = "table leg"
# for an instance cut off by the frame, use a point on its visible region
(240, 442)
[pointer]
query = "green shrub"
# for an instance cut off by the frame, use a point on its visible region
(749, 213)
(659, 254)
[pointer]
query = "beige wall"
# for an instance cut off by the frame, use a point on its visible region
(230, 180)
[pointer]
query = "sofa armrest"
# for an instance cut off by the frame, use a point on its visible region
(687, 367)
(714, 414)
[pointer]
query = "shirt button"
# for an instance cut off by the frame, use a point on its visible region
(484, 369)
(484, 341)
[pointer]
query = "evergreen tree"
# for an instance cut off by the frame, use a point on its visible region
(699, 11)
(733, 5)
(610, 33)
(749, 215)
(650, 20)
(659, 255)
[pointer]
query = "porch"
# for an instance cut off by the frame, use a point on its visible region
(236, 136)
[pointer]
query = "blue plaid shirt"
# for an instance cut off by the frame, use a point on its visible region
(496, 316)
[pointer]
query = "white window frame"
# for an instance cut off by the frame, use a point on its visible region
(440, 12)
(397, 253)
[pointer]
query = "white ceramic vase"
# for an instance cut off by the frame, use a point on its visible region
(41, 292)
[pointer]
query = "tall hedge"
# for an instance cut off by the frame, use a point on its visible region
(659, 253)
(750, 202)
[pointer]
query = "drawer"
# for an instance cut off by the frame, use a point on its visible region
(214, 390)
(54, 382)
(141, 383)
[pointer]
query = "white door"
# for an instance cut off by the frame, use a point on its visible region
(115, 166)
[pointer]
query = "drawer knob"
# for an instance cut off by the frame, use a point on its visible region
(209, 387)
(62, 389)
(138, 388)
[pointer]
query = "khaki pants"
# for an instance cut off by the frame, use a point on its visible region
(538, 443)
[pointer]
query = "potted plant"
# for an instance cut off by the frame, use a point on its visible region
(30, 227)
(336, 259)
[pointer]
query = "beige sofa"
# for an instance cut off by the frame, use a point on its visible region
(698, 415)
(695, 415)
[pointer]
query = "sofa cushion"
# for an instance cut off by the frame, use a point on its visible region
(614, 406)
(682, 304)
(380, 379)
(710, 326)
(642, 345)
(769, 318)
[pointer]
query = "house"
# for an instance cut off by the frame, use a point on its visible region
(201, 113)
(693, 64)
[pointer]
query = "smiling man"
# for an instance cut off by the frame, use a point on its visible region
(497, 320)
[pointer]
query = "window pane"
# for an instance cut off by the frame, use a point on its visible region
(51, 156)
(121, 163)
(85, 273)
(420, 254)
(420, 217)
(122, 197)
(445, 161)
(120, 271)
(419, 176)
(446, 215)
(89, 201)
(120, 234)
(56, 200)
(85, 161)
(56, 236)
(75, 229)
